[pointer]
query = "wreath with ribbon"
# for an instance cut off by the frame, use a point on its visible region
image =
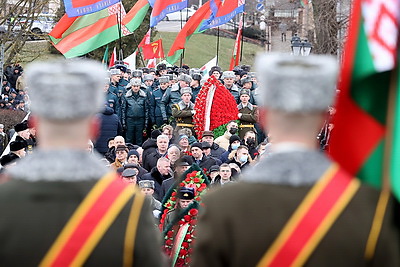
(215, 106)
(180, 235)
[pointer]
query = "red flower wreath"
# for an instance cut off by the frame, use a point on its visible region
(195, 180)
(223, 109)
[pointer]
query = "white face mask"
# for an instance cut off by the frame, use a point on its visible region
(243, 158)
(235, 146)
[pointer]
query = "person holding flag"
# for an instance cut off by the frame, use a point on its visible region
(306, 210)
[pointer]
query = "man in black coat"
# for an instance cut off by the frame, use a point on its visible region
(216, 150)
(109, 127)
(159, 174)
(150, 160)
(199, 158)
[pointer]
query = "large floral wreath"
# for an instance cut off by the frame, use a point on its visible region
(214, 106)
(183, 235)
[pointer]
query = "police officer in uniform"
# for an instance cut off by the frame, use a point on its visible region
(279, 214)
(155, 98)
(51, 197)
(229, 82)
(135, 113)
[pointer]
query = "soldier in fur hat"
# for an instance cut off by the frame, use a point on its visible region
(58, 189)
(303, 204)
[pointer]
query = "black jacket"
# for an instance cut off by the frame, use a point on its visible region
(110, 127)
(156, 176)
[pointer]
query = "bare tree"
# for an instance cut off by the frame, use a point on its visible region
(17, 33)
(329, 25)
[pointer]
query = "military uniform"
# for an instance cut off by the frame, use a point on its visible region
(183, 115)
(296, 207)
(263, 203)
(248, 119)
(135, 114)
(46, 202)
(155, 98)
(170, 97)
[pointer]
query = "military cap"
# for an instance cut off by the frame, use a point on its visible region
(145, 70)
(122, 148)
(146, 184)
(134, 82)
(184, 161)
(55, 85)
(185, 78)
(186, 193)
(8, 159)
(137, 73)
(148, 77)
(245, 68)
(22, 126)
(129, 173)
(245, 80)
(208, 133)
(121, 67)
(228, 74)
(245, 92)
(205, 145)
(197, 144)
(197, 76)
(297, 84)
(131, 165)
(215, 68)
(161, 66)
(252, 74)
(152, 70)
(18, 145)
(115, 71)
(163, 79)
(185, 90)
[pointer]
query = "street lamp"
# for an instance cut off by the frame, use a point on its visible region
(306, 48)
(299, 47)
(296, 47)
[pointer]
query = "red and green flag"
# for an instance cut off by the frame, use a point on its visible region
(77, 36)
(365, 139)
(304, 3)
(135, 16)
(191, 27)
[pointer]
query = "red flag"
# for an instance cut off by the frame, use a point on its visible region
(153, 50)
(113, 58)
(151, 63)
(236, 49)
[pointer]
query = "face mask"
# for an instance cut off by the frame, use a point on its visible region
(234, 146)
(233, 130)
(243, 159)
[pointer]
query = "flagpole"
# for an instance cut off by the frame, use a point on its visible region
(140, 54)
(241, 45)
(217, 44)
(120, 30)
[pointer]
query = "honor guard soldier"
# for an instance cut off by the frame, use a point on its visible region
(296, 207)
(61, 206)
(183, 111)
(248, 113)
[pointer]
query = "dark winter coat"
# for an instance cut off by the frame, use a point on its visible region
(156, 176)
(109, 127)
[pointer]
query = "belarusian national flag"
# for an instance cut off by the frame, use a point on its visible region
(191, 27)
(113, 58)
(362, 122)
(77, 36)
(135, 16)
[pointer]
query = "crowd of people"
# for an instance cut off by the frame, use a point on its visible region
(146, 134)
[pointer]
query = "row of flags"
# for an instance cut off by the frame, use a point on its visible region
(77, 35)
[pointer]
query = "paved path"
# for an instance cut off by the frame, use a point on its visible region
(277, 45)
